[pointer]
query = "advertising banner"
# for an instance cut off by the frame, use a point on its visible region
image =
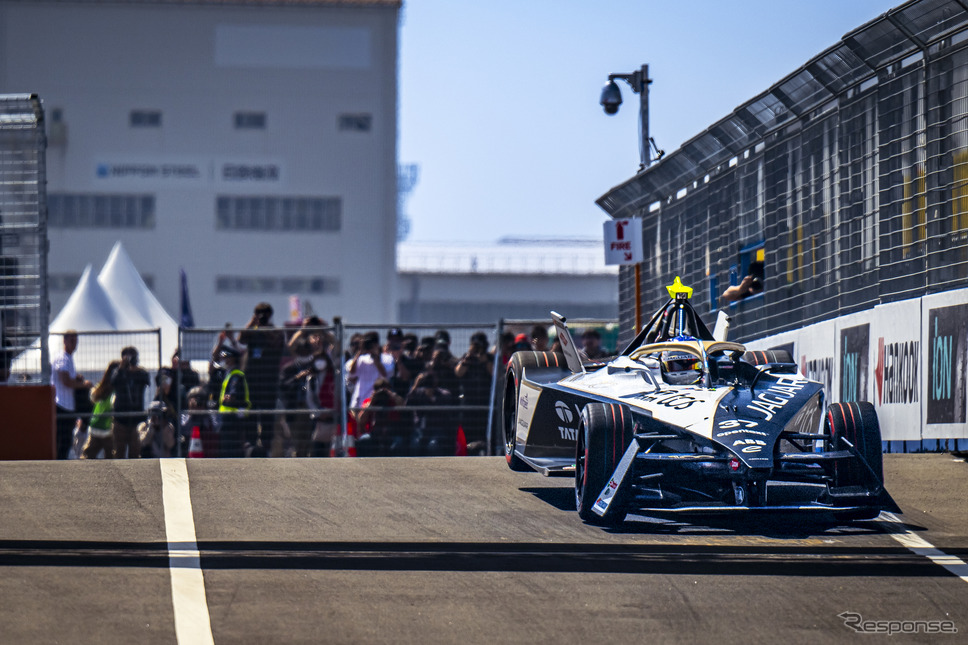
(896, 359)
(944, 336)
(908, 358)
(852, 360)
(815, 353)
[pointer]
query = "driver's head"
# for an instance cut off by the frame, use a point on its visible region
(681, 368)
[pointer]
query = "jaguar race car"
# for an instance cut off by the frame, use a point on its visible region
(683, 421)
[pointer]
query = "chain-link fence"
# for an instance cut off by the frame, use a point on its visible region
(303, 391)
(93, 368)
(421, 389)
(842, 187)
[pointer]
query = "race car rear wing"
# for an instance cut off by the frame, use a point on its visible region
(567, 343)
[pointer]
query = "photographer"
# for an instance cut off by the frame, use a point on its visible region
(367, 366)
(384, 432)
(129, 382)
(264, 345)
(473, 373)
(157, 434)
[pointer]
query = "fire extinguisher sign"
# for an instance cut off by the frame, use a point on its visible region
(623, 241)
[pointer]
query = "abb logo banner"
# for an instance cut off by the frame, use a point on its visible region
(623, 241)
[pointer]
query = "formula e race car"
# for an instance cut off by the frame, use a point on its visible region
(685, 422)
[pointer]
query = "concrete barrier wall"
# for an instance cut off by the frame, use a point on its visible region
(908, 358)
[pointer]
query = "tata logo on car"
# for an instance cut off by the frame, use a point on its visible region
(564, 412)
(568, 417)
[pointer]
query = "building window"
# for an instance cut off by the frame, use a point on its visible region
(250, 120)
(62, 281)
(145, 118)
(99, 210)
(355, 122)
(747, 278)
(67, 282)
(316, 285)
(279, 214)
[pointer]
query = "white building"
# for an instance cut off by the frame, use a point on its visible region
(251, 142)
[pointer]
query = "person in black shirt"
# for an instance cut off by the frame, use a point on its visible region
(264, 346)
(129, 381)
(474, 372)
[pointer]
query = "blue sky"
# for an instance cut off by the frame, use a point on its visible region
(499, 98)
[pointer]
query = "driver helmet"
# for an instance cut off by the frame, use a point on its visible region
(681, 368)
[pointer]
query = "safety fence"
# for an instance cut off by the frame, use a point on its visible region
(314, 390)
(842, 187)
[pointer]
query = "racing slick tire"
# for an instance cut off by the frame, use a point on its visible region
(516, 366)
(858, 424)
(604, 434)
(765, 357)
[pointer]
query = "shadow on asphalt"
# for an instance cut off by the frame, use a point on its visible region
(778, 526)
(835, 560)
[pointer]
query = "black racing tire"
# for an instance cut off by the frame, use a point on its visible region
(857, 423)
(767, 356)
(520, 361)
(604, 434)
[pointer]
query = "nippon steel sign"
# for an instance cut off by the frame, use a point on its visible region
(188, 172)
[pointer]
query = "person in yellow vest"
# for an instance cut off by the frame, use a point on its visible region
(233, 402)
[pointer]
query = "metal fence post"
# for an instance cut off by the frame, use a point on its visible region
(341, 384)
(497, 373)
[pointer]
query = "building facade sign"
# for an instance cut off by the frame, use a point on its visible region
(145, 173)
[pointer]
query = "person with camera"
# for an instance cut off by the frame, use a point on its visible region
(298, 385)
(129, 381)
(157, 434)
(384, 431)
(367, 366)
(473, 373)
(264, 345)
(435, 431)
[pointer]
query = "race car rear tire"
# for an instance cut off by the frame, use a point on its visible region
(767, 356)
(512, 388)
(604, 435)
(857, 423)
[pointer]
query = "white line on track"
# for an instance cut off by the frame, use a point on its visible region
(919, 546)
(192, 623)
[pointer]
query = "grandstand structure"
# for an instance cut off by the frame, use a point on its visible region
(848, 180)
(849, 176)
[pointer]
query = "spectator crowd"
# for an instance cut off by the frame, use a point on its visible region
(273, 391)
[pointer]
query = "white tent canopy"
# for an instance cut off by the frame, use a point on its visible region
(117, 300)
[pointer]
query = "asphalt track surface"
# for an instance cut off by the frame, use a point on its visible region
(453, 550)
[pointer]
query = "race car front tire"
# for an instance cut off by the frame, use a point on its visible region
(604, 435)
(856, 423)
(520, 361)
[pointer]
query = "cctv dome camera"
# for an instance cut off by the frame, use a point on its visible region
(611, 97)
